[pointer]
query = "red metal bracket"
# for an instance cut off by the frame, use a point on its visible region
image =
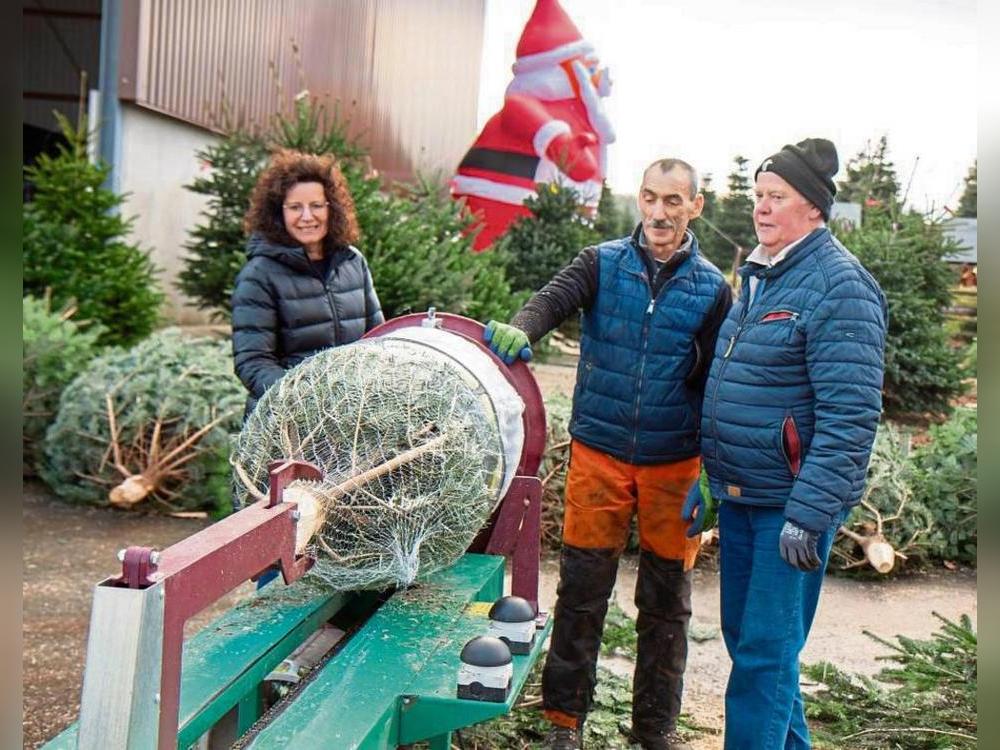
(515, 532)
(283, 473)
(138, 567)
(203, 568)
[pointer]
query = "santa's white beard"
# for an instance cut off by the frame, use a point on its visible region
(547, 84)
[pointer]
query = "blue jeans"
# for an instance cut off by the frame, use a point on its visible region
(767, 610)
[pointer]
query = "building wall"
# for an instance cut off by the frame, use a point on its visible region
(158, 159)
(404, 72)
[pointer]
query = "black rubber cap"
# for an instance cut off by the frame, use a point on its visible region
(486, 651)
(512, 609)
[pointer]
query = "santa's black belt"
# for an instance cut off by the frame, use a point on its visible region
(504, 162)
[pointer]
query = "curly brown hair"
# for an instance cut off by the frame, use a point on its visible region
(286, 169)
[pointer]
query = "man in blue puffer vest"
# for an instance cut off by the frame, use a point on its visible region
(652, 306)
(791, 406)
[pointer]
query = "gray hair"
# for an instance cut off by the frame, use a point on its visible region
(666, 165)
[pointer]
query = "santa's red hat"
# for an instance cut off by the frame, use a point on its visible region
(549, 37)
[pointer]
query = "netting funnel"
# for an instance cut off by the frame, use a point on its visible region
(418, 435)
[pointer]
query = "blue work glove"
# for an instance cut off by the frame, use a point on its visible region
(798, 547)
(507, 342)
(699, 507)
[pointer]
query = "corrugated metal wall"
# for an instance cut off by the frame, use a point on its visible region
(405, 72)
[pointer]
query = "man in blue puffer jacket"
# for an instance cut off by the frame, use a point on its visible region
(652, 306)
(791, 406)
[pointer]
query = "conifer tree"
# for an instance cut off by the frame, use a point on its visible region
(871, 179)
(729, 220)
(612, 220)
(542, 243)
(967, 204)
(412, 236)
(216, 248)
(76, 244)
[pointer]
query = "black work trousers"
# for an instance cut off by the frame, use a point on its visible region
(663, 598)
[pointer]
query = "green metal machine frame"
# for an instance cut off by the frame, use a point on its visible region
(393, 681)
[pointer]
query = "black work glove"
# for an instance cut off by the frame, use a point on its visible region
(798, 547)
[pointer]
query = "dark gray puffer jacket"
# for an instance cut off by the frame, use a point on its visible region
(284, 311)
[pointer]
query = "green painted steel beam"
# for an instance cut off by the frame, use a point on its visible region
(227, 659)
(434, 708)
(409, 647)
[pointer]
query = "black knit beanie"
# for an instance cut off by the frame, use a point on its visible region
(809, 166)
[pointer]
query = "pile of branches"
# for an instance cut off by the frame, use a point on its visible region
(151, 423)
(920, 504)
(926, 701)
(555, 464)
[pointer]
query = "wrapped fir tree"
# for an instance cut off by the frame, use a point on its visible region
(151, 423)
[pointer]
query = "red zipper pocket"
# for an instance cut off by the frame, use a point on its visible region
(791, 445)
(779, 315)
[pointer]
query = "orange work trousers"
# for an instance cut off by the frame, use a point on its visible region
(603, 493)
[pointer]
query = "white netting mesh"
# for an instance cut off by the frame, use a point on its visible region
(411, 446)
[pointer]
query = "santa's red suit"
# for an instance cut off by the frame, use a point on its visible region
(552, 127)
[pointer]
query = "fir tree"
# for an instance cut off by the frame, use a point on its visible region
(217, 246)
(922, 370)
(729, 220)
(871, 179)
(542, 243)
(967, 204)
(613, 219)
(75, 244)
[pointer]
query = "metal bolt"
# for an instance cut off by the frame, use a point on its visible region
(154, 557)
(156, 698)
(121, 555)
(296, 515)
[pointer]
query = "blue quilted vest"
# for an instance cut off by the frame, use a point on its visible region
(631, 400)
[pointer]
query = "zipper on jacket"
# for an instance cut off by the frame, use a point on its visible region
(642, 369)
(722, 369)
(333, 311)
(646, 324)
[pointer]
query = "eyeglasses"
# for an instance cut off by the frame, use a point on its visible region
(297, 209)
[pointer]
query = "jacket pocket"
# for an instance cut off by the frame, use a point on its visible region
(789, 318)
(776, 315)
(791, 446)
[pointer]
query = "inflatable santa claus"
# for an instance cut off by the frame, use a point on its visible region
(552, 127)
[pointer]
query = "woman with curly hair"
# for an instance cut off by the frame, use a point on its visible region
(305, 287)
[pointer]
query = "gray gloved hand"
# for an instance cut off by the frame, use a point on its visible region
(507, 342)
(798, 547)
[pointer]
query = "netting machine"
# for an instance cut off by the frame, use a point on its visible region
(371, 467)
